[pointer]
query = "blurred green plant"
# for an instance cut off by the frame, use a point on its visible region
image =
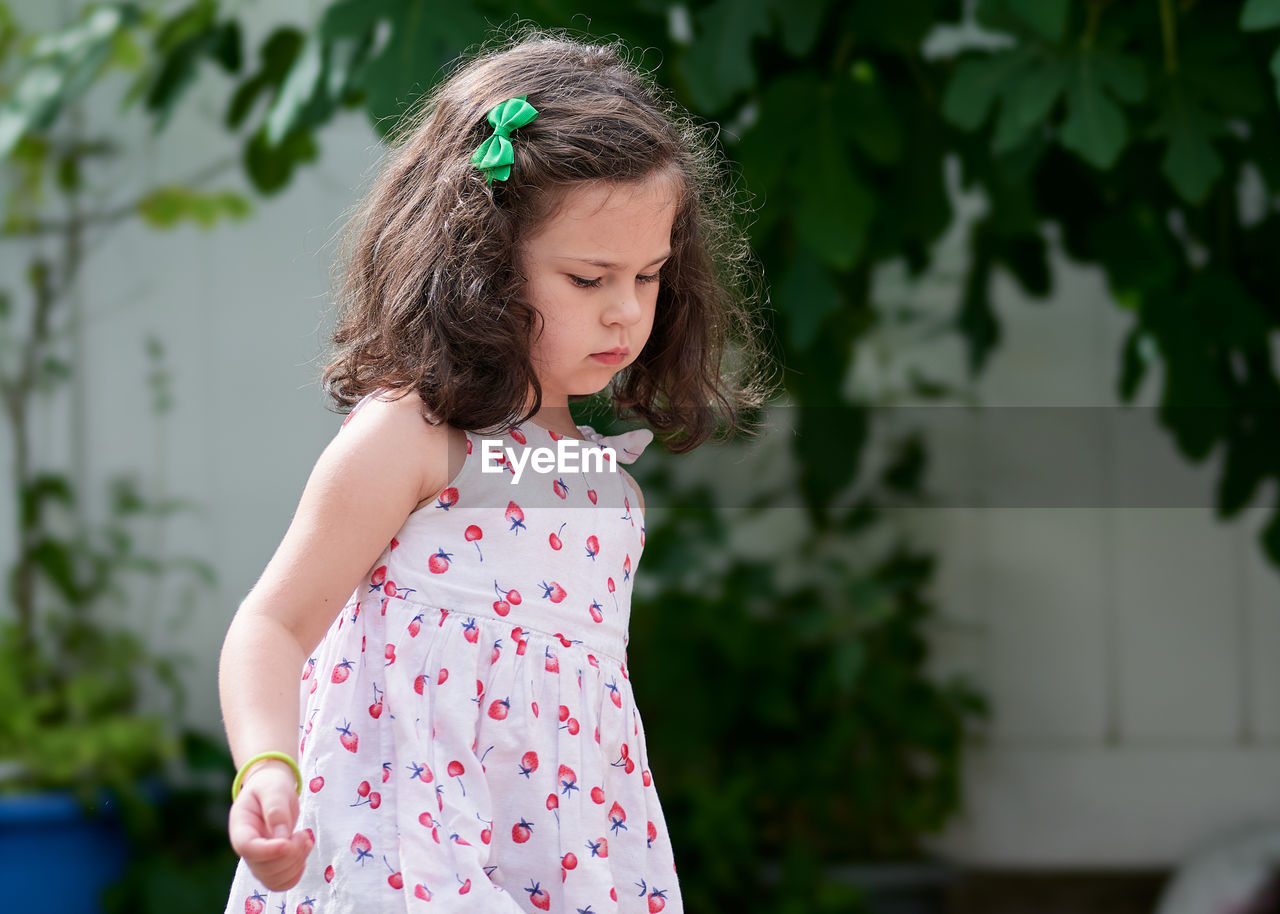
(180, 853)
(90, 705)
(1149, 135)
(842, 125)
(801, 725)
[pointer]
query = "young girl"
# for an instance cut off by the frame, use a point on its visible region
(454, 588)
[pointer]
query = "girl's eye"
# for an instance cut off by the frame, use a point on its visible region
(595, 283)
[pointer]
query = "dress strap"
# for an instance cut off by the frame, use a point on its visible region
(359, 403)
(628, 445)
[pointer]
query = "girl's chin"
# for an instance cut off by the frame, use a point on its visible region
(589, 383)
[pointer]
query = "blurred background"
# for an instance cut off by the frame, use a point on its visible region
(983, 620)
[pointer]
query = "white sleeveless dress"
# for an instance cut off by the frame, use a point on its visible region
(469, 738)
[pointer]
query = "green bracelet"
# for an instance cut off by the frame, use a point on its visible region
(262, 757)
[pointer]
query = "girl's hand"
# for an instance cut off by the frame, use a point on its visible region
(261, 826)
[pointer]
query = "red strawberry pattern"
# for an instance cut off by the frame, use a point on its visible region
(470, 748)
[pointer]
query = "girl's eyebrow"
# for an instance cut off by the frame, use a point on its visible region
(605, 265)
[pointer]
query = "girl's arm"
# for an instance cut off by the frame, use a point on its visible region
(385, 462)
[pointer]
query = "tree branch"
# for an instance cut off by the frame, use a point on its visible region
(38, 227)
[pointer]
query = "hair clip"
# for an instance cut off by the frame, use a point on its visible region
(495, 155)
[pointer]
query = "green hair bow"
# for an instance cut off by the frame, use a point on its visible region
(495, 155)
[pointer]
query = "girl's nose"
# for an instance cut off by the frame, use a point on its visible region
(625, 309)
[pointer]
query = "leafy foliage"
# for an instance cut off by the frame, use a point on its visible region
(181, 853)
(1185, 87)
(90, 706)
(799, 723)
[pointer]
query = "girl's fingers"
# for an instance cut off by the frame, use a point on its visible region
(278, 862)
(245, 823)
(261, 825)
(280, 816)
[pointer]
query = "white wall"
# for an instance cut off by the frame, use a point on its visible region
(1123, 634)
(1125, 649)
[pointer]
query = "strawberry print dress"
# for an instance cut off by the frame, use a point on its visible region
(469, 739)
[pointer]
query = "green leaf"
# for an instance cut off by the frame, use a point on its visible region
(975, 84)
(1027, 257)
(1047, 18)
(424, 35)
(848, 659)
(349, 30)
(798, 24)
(834, 428)
(69, 173)
(353, 17)
(1133, 364)
(55, 558)
(55, 369)
(32, 106)
(1260, 14)
(1270, 538)
(900, 26)
(298, 89)
(277, 55)
(1190, 162)
(835, 209)
(346, 61)
(182, 43)
(185, 26)
(771, 143)
(126, 53)
(1275, 69)
(1027, 102)
(1031, 98)
(976, 320)
(224, 46)
(867, 118)
(166, 206)
(718, 65)
(1228, 309)
(81, 39)
(905, 472)
(807, 295)
(1095, 128)
(45, 487)
(270, 167)
(1123, 74)
(1247, 465)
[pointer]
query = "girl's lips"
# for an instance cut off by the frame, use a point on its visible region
(612, 357)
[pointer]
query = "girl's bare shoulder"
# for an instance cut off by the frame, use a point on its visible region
(394, 424)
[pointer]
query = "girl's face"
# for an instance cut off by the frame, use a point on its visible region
(593, 273)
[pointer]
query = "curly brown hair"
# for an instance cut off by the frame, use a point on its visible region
(432, 297)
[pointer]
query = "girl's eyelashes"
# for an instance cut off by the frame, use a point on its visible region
(582, 283)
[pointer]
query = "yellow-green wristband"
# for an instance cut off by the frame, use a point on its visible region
(262, 757)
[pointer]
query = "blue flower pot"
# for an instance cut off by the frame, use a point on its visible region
(54, 856)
